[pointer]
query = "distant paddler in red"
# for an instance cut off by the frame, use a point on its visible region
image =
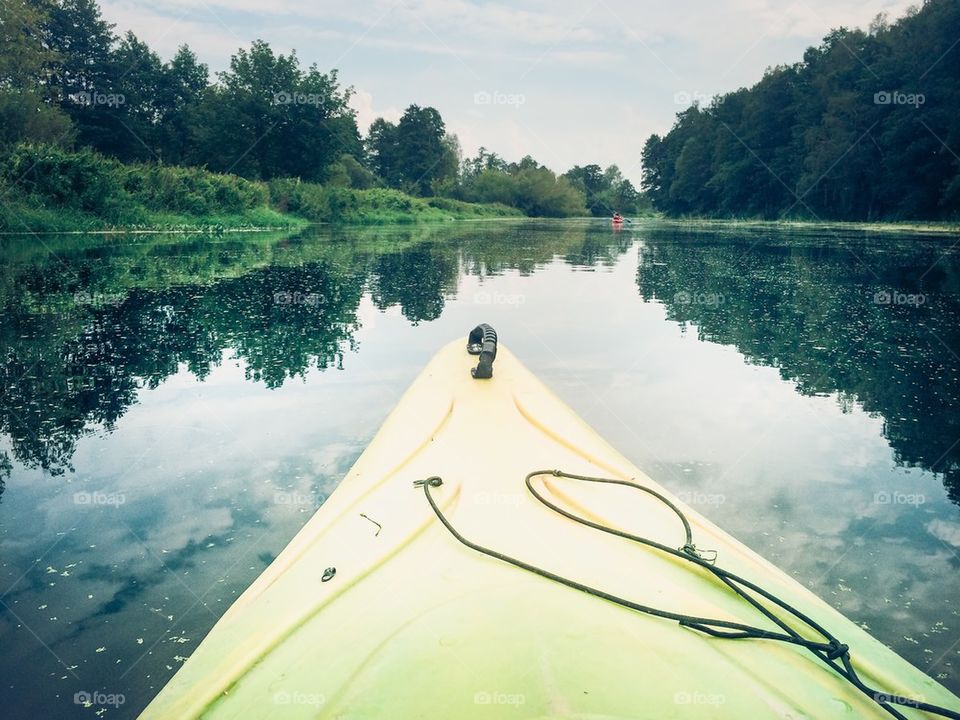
(617, 219)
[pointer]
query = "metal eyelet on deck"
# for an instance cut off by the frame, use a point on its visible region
(328, 574)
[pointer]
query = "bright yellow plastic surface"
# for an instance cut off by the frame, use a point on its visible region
(416, 625)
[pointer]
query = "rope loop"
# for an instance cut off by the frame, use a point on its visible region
(829, 650)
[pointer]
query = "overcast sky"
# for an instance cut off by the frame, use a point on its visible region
(569, 82)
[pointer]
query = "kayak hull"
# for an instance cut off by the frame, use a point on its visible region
(415, 624)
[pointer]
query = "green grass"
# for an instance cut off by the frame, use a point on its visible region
(32, 217)
(49, 189)
(465, 210)
(338, 205)
(260, 218)
(915, 226)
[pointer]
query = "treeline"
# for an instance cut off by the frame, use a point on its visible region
(68, 80)
(864, 127)
(533, 188)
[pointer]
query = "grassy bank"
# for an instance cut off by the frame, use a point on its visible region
(916, 226)
(337, 205)
(48, 189)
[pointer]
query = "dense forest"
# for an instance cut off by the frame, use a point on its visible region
(68, 82)
(864, 127)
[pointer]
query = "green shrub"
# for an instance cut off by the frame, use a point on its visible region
(193, 190)
(24, 116)
(80, 180)
(48, 188)
(466, 209)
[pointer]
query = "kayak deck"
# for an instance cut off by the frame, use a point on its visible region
(413, 624)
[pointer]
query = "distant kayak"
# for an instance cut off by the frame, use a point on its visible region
(484, 558)
(618, 220)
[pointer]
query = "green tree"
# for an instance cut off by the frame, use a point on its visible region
(415, 155)
(25, 56)
(485, 160)
(82, 40)
(383, 151)
(864, 127)
(182, 89)
(588, 178)
(423, 155)
(26, 61)
(448, 169)
(350, 172)
(132, 119)
(268, 118)
(606, 191)
(541, 193)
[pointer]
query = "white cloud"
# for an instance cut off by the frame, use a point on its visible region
(213, 42)
(583, 58)
(948, 532)
(362, 102)
(496, 23)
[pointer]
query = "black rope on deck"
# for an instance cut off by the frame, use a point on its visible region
(829, 650)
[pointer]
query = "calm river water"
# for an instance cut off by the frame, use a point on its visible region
(173, 409)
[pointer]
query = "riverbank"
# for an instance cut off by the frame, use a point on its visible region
(47, 189)
(916, 227)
